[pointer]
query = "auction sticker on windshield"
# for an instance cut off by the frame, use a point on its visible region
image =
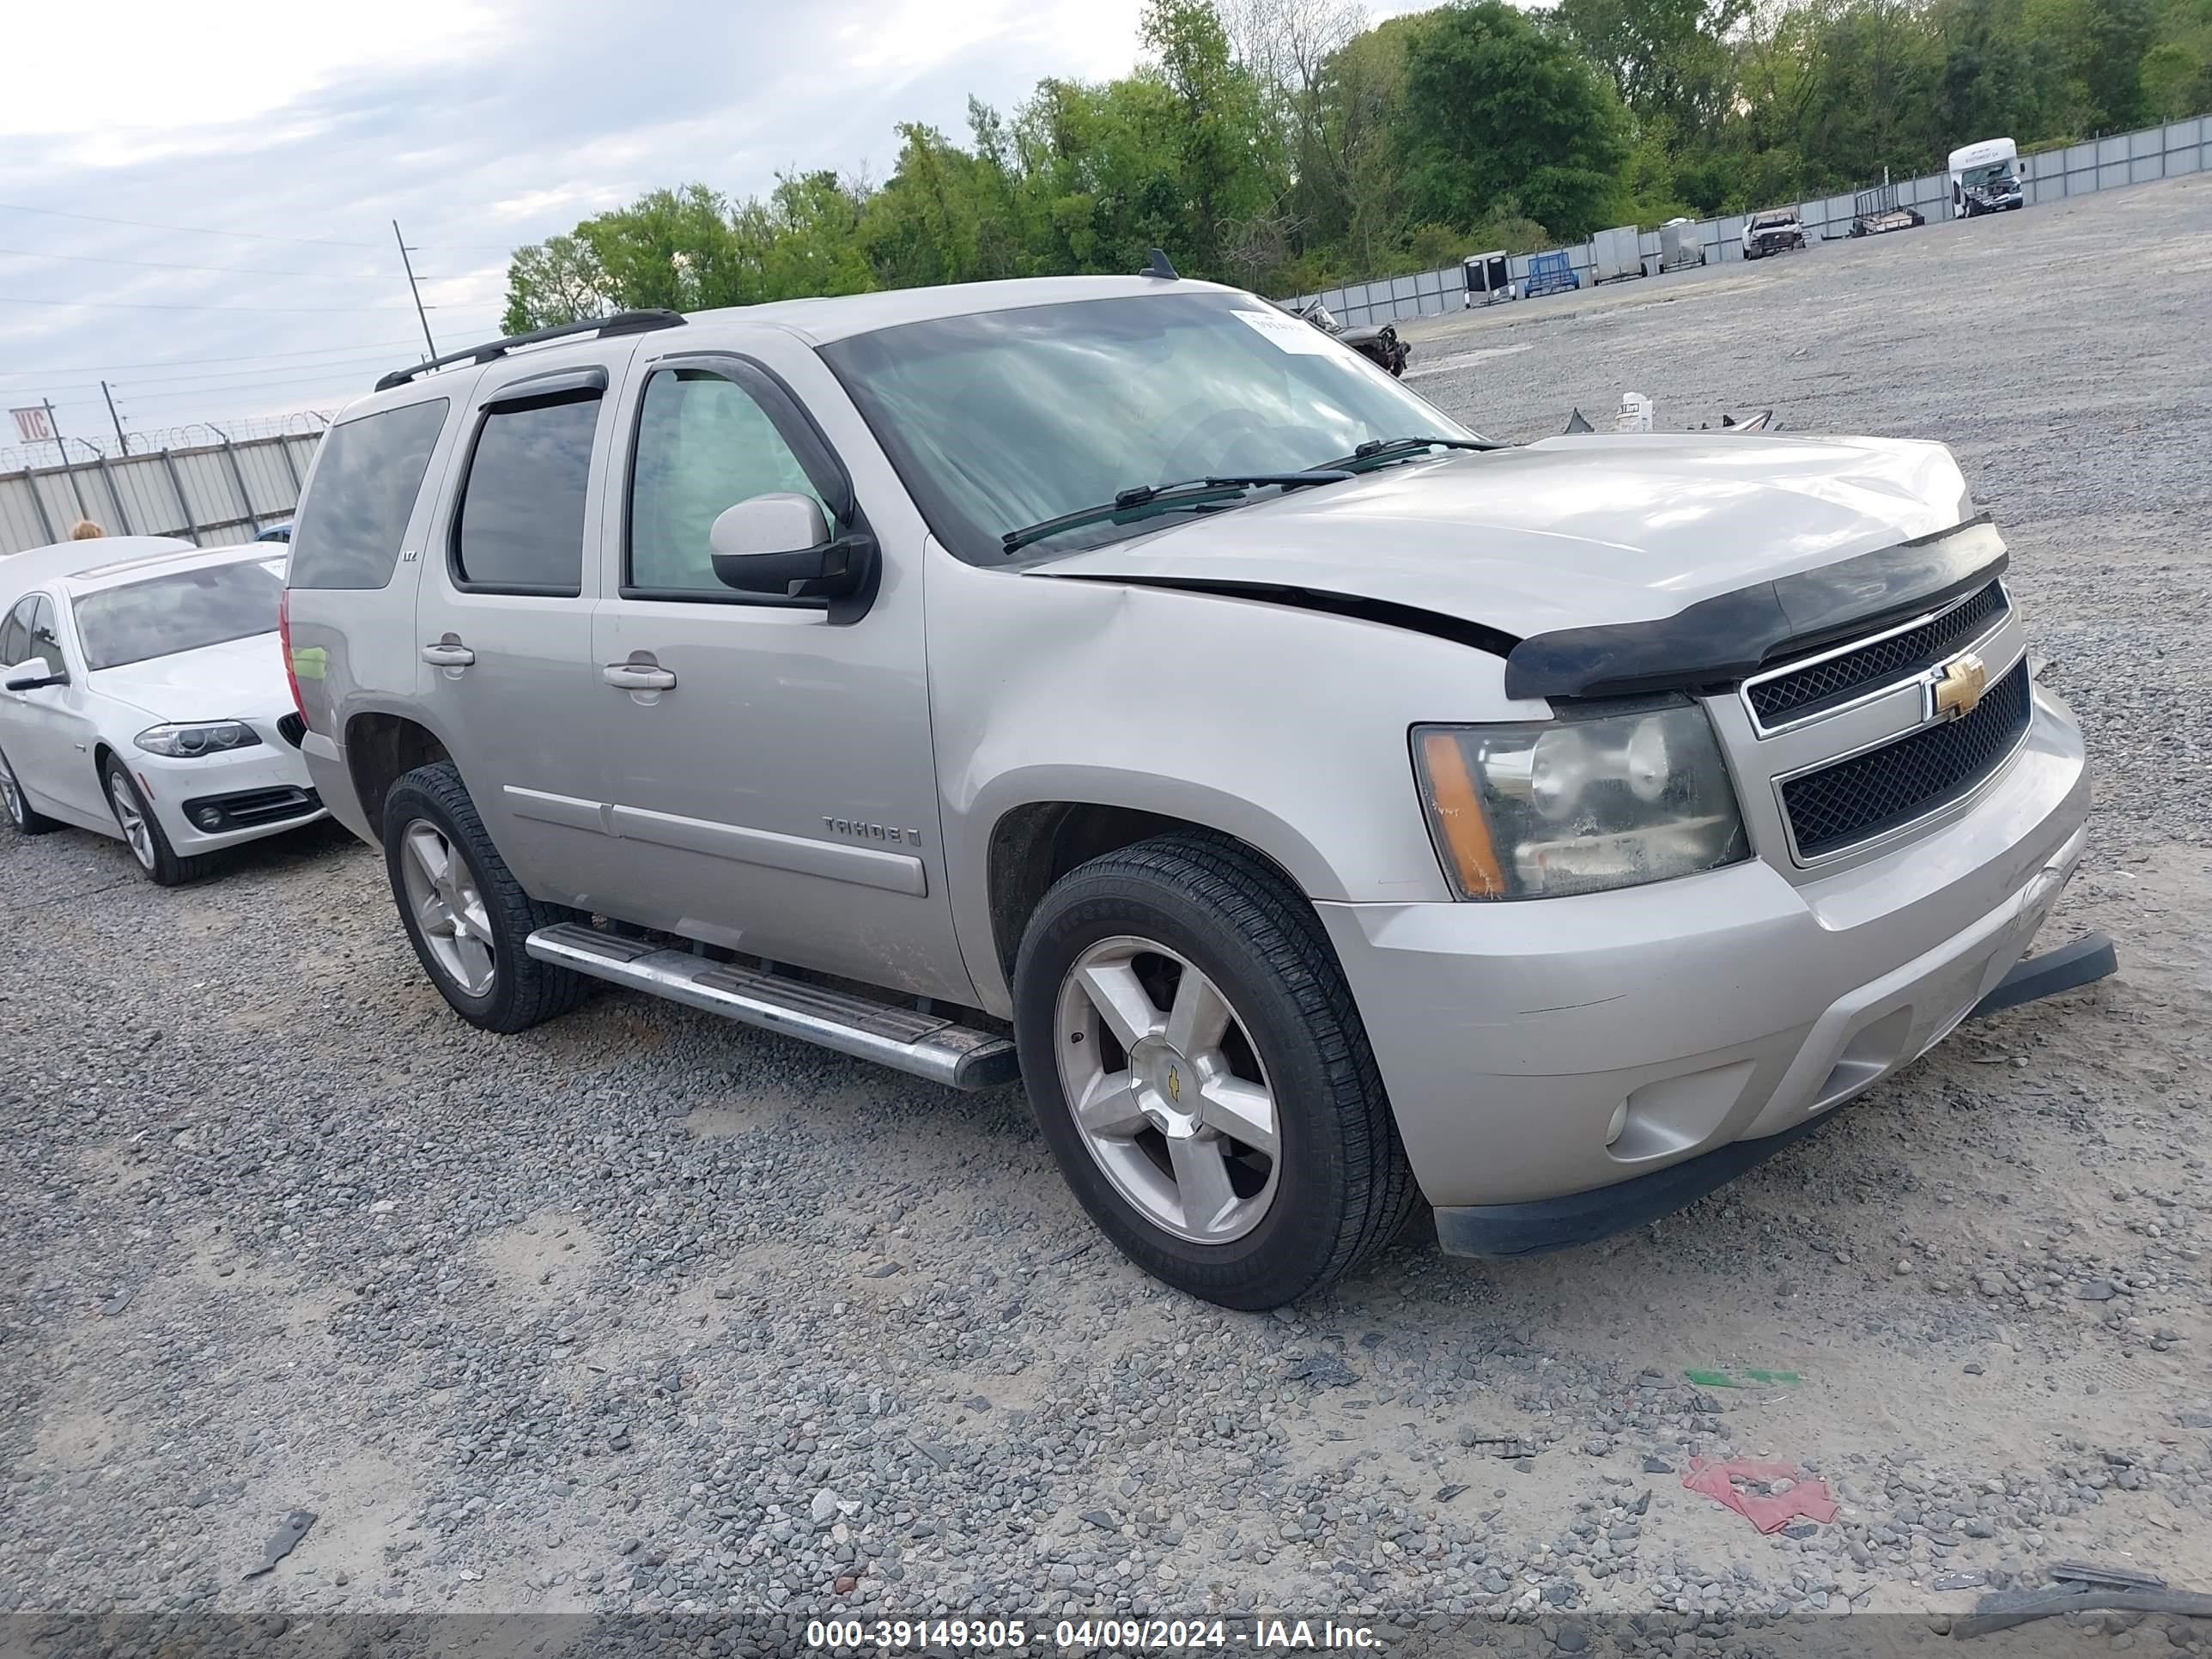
(1292, 333)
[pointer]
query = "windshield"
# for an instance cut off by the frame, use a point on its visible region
(1997, 173)
(1004, 419)
(165, 615)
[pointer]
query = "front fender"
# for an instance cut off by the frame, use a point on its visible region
(1285, 728)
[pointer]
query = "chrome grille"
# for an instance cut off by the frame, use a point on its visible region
(1796, 694)
(1860, 797)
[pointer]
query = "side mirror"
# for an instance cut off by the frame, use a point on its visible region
(781, 544)
(33, 676)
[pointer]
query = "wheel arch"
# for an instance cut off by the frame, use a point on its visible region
(1033, 843)
(381, 747)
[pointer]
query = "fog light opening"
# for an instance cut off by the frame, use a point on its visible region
(1618, 1123)
(207, 818)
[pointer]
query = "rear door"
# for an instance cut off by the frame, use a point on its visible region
(778, 795)
(503, 616)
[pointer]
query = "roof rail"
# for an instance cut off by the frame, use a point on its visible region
(622, 322)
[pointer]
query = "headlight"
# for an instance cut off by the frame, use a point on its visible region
(1579, 804)
(191, 742)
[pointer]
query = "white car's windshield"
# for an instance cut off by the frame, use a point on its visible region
(1008, 418)
(1997, 173)
(164, 615)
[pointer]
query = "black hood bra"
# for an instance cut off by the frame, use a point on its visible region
(1731, 636)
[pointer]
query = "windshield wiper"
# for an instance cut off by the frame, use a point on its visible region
(1143, 500)
(1381, 452)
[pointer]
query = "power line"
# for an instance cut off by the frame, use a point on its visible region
(132, 400)
(187, 363)
(142, 305)
(182, 230)
(171, 265)
(214, 378)
(250, 235)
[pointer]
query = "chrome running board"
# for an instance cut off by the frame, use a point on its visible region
(923, 1045)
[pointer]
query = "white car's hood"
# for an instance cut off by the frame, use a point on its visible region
(240, 679)
(1567, 532)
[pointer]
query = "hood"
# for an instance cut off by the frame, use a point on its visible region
(1566, 533)
(239, 679)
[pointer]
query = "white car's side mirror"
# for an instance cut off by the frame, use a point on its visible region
(33, 676)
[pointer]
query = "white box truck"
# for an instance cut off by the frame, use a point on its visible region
(1985, 178)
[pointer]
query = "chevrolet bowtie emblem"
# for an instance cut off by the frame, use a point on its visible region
(1175, 1084)
(1959, 687)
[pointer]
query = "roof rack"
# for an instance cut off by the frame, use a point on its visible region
(622, 322)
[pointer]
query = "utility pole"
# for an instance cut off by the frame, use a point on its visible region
(55, 427)
(413, 288)
(113, 416)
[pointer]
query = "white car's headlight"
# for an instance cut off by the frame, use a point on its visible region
(1612, 797)
(190, 742)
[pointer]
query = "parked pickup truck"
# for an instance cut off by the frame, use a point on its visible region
(1777, 231)
(1120, 684)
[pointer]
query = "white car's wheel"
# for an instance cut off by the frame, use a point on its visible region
(143, 833)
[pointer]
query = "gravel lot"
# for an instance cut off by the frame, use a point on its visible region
(643, 1311)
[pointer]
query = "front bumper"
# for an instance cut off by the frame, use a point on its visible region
(1718, 1009)
(250, 790)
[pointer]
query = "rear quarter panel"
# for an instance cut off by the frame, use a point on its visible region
(354, 649)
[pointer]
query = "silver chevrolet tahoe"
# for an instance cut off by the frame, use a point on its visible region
(1118, 683)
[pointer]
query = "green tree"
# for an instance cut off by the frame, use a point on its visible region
(1279, 144)
(1218, 140)
(1495, 106)
(556, 281)
(1668, 60)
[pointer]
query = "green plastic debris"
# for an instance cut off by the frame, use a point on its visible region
(1748, 1379)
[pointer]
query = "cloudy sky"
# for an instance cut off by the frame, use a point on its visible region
(196, 199)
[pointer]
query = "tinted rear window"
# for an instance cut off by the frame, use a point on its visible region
(521, 522)
(165, 615)
(356, 509)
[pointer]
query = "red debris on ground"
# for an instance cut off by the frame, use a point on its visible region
(1769, 1512)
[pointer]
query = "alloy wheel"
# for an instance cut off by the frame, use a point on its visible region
(448, 907)
(11, 795)
(1167, 1089)
(131, 818)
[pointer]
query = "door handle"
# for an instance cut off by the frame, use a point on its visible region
(448, 654)
(637, 676)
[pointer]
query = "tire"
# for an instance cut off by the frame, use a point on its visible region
(1292, 1050)
(27, 818)
(478, 912)
(143, 833)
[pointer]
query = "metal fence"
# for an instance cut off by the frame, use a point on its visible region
(2130, 158)
(210, 492)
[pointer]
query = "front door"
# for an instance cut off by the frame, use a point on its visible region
(48, 737)
(503, 623)
(769, 771)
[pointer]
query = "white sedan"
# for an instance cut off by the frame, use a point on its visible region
(142, 694)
